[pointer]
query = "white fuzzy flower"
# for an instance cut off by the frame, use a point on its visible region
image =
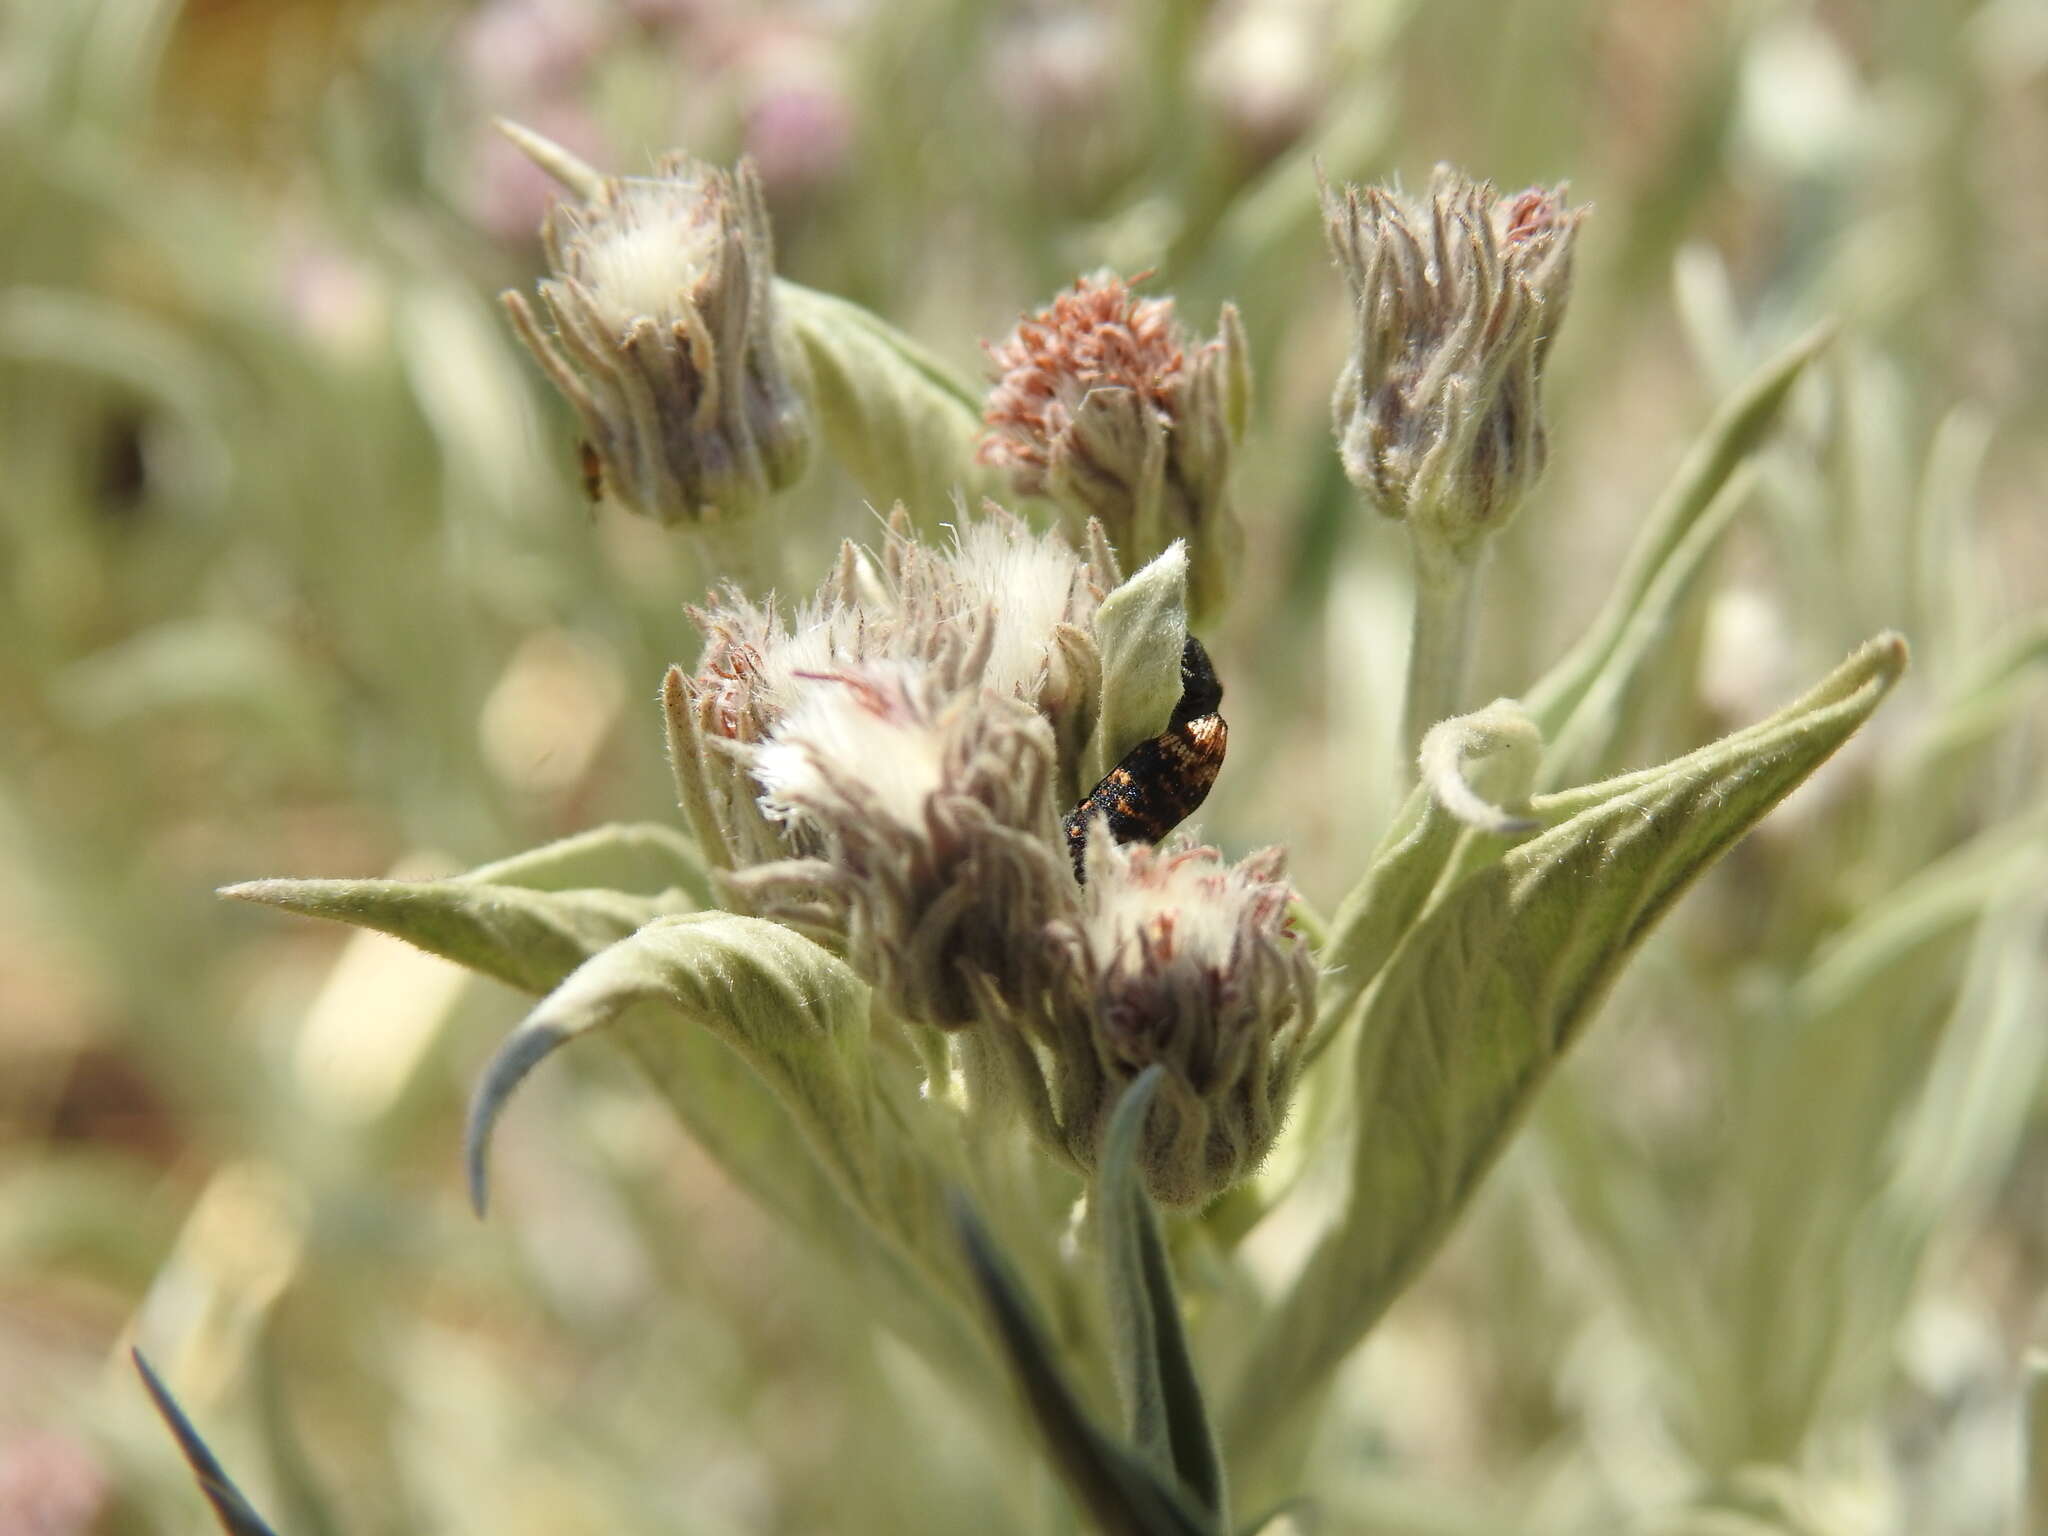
(889, 772)
(875, 720)
(645, 252)
(662, 333)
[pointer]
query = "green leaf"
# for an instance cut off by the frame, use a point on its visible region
(1586, 735)
(1119, 1489)
(1142, 628)
(1737, 430)
(1163, 1397)
(646, 857)
(1447, 827)
(525, 938)
(528, 920)
(794, 1013)
(900, 421)
(236, 1515)
(1388, 898)
(797, 1016)
(1492, 985)
(756, 1039)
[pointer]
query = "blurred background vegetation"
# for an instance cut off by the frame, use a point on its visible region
(298, 579)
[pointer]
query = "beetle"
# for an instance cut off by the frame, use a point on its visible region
(1161, 781)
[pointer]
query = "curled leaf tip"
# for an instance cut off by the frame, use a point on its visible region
(519, 1055)
(1501, 732)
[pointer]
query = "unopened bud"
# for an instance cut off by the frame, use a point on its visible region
(662, 334)
(1438, 411)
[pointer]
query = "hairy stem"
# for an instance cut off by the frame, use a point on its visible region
(1446, 601)
(745, 551)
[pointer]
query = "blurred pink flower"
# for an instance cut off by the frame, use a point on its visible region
(50, 1485)
(798, 126)
(517, 53)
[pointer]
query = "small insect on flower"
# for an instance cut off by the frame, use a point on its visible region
(1161, 781)
(593, 472)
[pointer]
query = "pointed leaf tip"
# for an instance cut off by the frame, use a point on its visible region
(262, 891)
(522, 1051)
(236, 1515)
(529, 939)
(584, 180)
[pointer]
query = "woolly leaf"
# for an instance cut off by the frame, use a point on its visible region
(1163, 1398)
(1119, 1489)
(903, 425)
(1667, 540)
(1142, 628)
(1493, 984)
(527, 939)
(793, 1012)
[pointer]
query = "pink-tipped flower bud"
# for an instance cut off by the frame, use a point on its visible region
(1104, 404)
(1180, 960)
(1457, 298)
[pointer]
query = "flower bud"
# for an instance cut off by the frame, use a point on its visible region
(1438, 413)
(925, 821)
(888, 772)
(662, 334)
(1181, 960)
(1100, 404)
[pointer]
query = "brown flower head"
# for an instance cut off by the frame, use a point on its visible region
(1103, 404)
(888, 771)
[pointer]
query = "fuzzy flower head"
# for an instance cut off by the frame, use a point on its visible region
(887, 772)
(661, 332)
(1178, 959)
(893, 770)
(1104, 404)
(920, 815)
(1457, 298)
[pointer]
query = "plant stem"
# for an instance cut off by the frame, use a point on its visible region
(1446, 603)
(744, 551)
